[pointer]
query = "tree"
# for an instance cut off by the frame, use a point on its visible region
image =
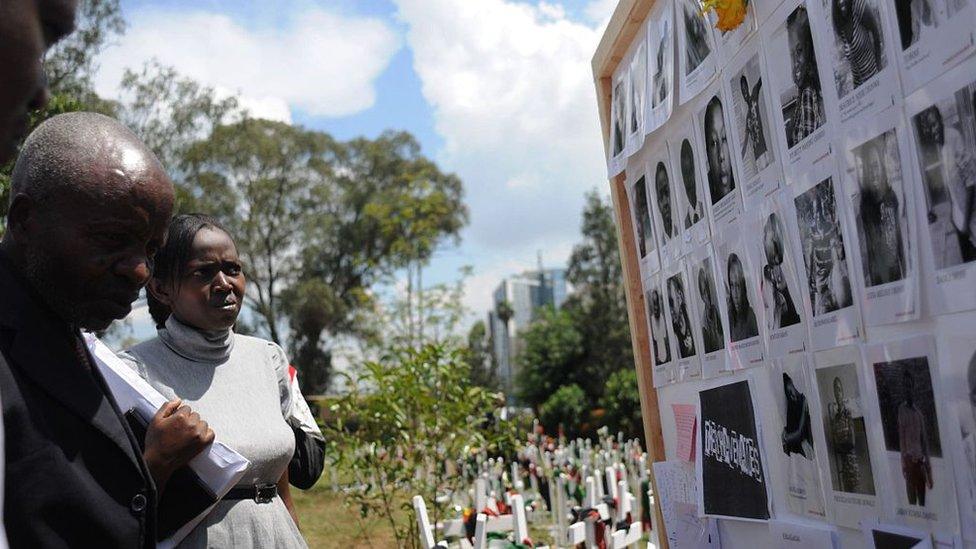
(484, 369)
(621, 403)
(598, 306)
(553, 348)
(566, 407)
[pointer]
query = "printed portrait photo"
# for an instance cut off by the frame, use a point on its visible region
(697, 43)
(945, 134)
(917, 20)
(721, 180)
(663, 63)
(662, 196)
(908, 419)
(780, 306)
(637, 82)
(822, 243)
(645, 233)
(751, 119)
(802, 488)
(742, 316)
(680, 319)
(880, 210)
(713, 334)
(694, 209)
(858, 42)
(660, 343)
(618, 117)
(843, 421)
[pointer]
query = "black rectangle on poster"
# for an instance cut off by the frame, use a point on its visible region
(732, 471)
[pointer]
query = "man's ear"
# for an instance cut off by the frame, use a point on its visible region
(19, 216)
(162, 292)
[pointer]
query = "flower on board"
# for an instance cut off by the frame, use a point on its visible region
(730, 13)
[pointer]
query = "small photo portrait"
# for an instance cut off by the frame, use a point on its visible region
(697, 44)
(642, 214)
(663, 63)
(751, 119)
(680, 319)
(695, 209)
(713, 334)
(822, 242)
(618, 116)
(662, 193)
(742, 317)
(846, 434)
(881, 217)
(660, 343)
(721, 180)
(945, 134)
(637, 82)
(917, 20)
(858, 42)
(792, 52)
(909, 423)
(781, 309)
(798, 458)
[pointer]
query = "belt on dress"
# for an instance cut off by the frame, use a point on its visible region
(260, 493)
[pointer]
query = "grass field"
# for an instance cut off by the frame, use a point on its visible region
(327, 523)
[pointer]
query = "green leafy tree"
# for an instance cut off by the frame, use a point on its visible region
(598, 306)
(566, 407)
(621, 404)
(484, 369)
(405, 427)
(552, 350)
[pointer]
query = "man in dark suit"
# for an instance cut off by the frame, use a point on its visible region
(89, 206)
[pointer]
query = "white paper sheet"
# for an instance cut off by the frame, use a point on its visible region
(689, 190)
(841, 439)
(662, 340)
(740, 292)
(676, 497)
(945, 160)
(660, 181)
(957, 371)
(719, 169)
(791, 534)
(640, 214)
(697, 59)
(661, 42)
(878, 180)
(618, 121)
(711, 327)
(636, 95)
(911, 435)
(687, 349)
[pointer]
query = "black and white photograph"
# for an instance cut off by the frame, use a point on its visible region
(708, 310)
(689, 196)
(728, 42)
(636, 86)
(663, 205)
(798, 111)
(687, 361)
(643, 224)
(618, 122)
(919, 475)
(779, 285)
(884, 219)
(740, 289)
(958, 378)
(792, 434)
(660, 333)
(660, 37)
(694, 210)
(755, 150)
(824, 253)
(932, 36)
(663, 201)
(943, 126)
(860, 58)
(890, 536)
(732, 474)
(696, 49)
(845, 457)
(712, 123)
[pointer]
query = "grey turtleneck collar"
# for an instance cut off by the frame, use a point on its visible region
(196, 345)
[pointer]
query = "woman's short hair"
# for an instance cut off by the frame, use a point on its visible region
(169, 265)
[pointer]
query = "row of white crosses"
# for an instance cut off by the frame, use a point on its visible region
(515, 523)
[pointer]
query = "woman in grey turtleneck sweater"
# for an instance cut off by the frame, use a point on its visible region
(239, 385)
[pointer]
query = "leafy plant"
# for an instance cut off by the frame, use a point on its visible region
(565, 407)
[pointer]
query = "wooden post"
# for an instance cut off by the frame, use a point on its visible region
(622, 30)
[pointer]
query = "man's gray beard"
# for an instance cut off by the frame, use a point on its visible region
(39, 273)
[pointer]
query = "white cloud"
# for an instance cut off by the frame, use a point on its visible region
(513, 98)
(320, 62)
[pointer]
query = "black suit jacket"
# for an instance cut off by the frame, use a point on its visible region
(74, 476)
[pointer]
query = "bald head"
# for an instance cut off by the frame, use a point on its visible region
(89, 207)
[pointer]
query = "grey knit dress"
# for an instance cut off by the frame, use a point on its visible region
(239, 385)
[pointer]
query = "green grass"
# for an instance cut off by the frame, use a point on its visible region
(327, 523)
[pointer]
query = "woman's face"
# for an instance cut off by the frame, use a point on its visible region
(211, 293)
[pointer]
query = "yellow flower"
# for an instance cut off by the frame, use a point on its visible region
(730, 13)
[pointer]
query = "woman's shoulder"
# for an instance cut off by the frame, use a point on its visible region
(272, 353)
(139, 356)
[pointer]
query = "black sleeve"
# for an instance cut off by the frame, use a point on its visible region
(308, 462)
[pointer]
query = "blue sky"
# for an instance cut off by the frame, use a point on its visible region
(497, 91)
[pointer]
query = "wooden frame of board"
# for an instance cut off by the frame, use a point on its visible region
(624, 25)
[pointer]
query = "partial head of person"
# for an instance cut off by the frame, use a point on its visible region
(773, 240)
(28, 28)
(197, 276)
(931, 128)
(737, 282)
(744, 88)
(789, 388)
(841, 11)
(688, 172)
(800, 40)
(838, 391)
(663, 187)
(874, 172)
(717, 146)
(89, 206)
(703, 288)
(655, 303)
